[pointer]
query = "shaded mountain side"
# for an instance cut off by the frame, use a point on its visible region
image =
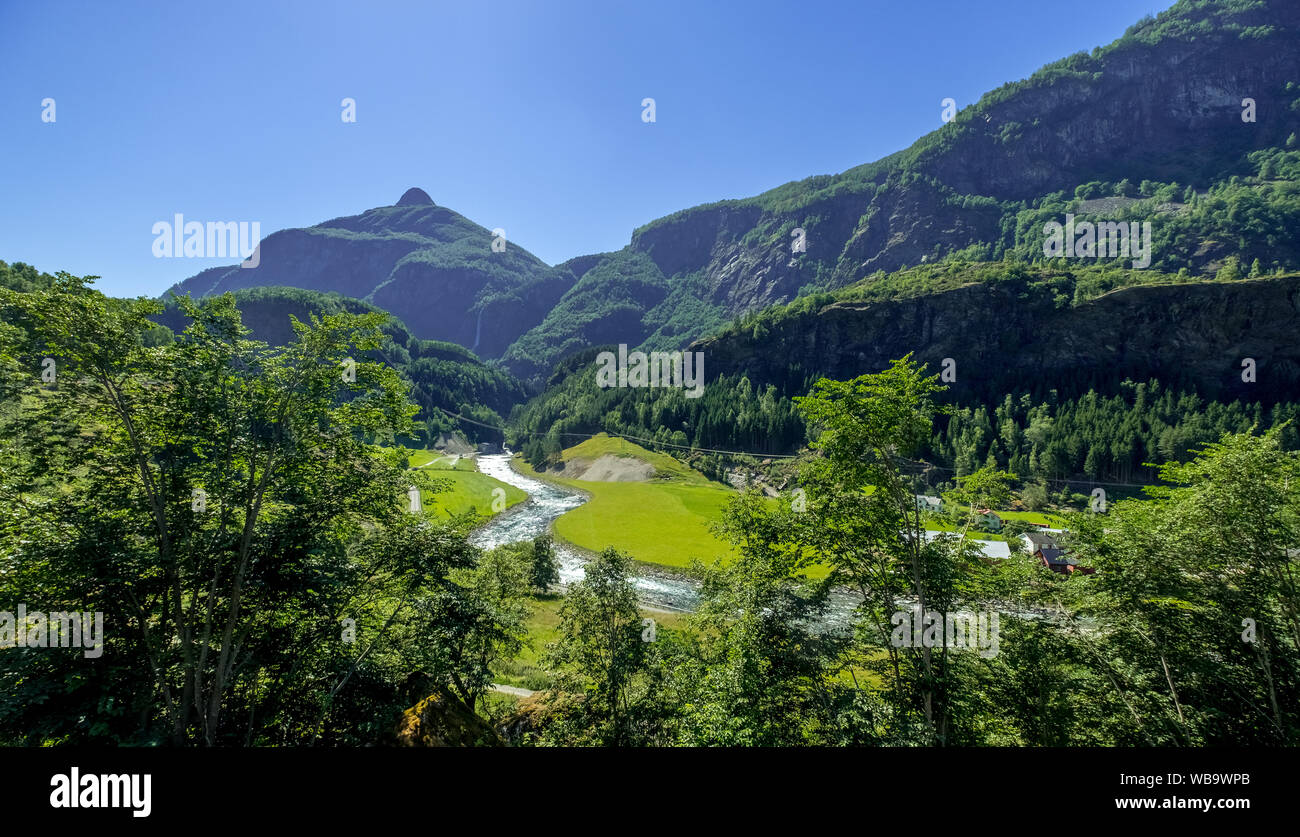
(515, 312)
(1059, 373)
(444, 376)
(1157, 115)
(607, 304)
(433, 266)
(1016, 336)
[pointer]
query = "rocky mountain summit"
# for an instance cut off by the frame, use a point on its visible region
(431, 266)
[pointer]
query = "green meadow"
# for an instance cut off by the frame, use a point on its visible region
(1035, 517)
(465, 488)
(665, 520)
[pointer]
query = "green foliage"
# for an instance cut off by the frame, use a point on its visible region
(545, 567)
(481, 623)
(216, 499)
(763, 676)
(224, 616)
(444, 378)
(1098, 438)
(599, 650)
(1196, 589)
(1243, 218)
(26, 279)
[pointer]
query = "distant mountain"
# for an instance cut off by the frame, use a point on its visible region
(1154, 120)
(433, 267)
(1154, 127)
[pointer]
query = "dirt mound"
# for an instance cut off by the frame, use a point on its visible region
(454, 443)
(609, 468)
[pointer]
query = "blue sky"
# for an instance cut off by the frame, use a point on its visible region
(521, 115)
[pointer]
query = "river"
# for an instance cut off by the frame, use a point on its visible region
(534, 516)
(655, 589)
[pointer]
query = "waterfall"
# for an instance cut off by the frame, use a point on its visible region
(478, 329)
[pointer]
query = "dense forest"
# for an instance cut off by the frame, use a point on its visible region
(1093, 437)
(247, 543)
(1105, 439)
(729, 414)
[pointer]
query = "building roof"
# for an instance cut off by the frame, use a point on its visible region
(994, 549)
(1055, 556)
(991, 549)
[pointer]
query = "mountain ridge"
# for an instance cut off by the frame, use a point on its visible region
(426, 263)
(1161, 107)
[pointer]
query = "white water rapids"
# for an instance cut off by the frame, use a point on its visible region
(533, 517)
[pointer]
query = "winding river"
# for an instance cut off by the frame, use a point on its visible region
(656, 589)
(534, 516)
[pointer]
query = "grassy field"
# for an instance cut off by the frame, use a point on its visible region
(436, 459)
(524, 671)
(662, 521)
(1034, 517)
(937, 525)
(667, 468)
(666, 520)
(659, 523)
(467, 489)
(944, 525)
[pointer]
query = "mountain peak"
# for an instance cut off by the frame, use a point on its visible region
(415, 196)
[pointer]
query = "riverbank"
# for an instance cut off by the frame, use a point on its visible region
(664, 522)
(657, 587)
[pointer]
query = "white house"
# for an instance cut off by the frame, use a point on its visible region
(930, 503)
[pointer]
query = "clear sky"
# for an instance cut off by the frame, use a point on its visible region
(521, 115)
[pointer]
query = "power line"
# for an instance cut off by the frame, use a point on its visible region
(914, 462)
(688, 447)
(502, 430)
(922, 464)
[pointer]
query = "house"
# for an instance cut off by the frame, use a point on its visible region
(930, 503)
(989, 520)
(1035, 541)
(1058, 561)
